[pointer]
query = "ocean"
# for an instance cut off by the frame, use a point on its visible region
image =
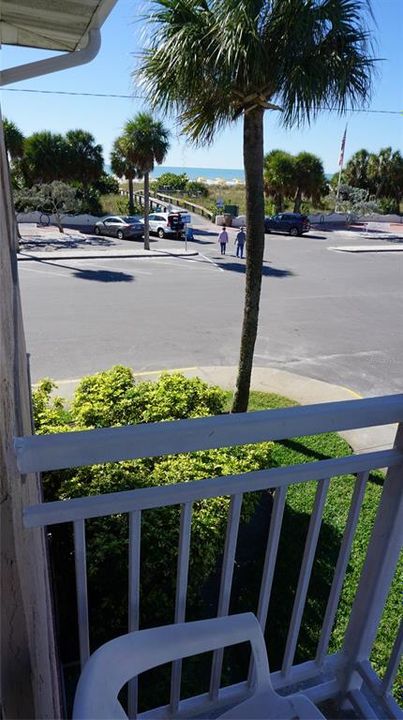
(211, 175)
(193, 173)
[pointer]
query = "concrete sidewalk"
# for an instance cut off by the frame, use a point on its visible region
(392, 247)
(47, 243)
(302, 389)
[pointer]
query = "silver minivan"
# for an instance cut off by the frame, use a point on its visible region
(168, 224)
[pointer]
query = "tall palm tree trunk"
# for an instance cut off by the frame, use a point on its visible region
(131, 195)
(298, 200)
(253, 162)
(146, 210)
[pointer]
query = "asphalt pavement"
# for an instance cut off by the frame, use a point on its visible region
(326, 313)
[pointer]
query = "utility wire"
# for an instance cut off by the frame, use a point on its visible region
(69, 92)
(141, 97)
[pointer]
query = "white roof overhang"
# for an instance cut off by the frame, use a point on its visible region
(51, 24)
(70, 26)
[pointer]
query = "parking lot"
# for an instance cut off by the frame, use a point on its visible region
(325, 313)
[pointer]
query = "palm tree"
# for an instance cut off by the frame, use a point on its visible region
(14, 140)
(145, 142)
(279, 176)
(45, 158)
(385, 172)
(123, 167)
(356, 171)
(309, 178)
(85, 162)
(213, 61)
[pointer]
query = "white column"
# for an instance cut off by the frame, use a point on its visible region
(29, 672)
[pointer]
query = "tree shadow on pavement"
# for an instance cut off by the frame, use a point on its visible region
(65, 242)
(239, 267)
(105, 276)
(199, 234)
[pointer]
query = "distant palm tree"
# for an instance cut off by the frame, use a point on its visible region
(309, 178)
(85, 161)
(14, 140)
(144, 142)
(122, 166)
(45, 158)
(213, 61)
(385, 173)
(279, 176)
(356, 171)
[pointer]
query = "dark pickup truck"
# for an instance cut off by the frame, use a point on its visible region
(291, 223)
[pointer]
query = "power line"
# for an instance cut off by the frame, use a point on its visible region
(141, 97)
(70, 92)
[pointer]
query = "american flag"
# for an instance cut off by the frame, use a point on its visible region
(343, 145)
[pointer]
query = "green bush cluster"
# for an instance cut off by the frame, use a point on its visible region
(113, 398)
(170, 182)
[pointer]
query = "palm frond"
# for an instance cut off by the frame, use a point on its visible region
(208, 61)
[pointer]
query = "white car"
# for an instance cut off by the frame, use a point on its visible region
(166, 224)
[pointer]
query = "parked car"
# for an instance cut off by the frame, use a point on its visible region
(120, 227)
(168, 224)
(291, 223)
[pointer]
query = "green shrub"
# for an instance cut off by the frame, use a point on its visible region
(113, 398)
(196, 189)
(388, 206)
(269, 207)
(171, 182)
(118, 205)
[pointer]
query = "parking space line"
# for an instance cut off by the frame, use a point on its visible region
(211, 261)
(44, 272)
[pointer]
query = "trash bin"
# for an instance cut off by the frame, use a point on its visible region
(228, 219)
(231, 210)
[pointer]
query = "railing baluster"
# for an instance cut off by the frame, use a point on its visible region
(341, 565)
(382, 555)
(394, 662)
(80, 560)
(271, 554)
(181, 592)
(276, 521)
(226, 585)
(134, 597)
(305, 575)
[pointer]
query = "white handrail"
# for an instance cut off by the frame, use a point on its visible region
(61, 450)
(62, 511)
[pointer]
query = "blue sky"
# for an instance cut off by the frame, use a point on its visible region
(110, 72)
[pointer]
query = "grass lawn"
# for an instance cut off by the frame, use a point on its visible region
(300, 500)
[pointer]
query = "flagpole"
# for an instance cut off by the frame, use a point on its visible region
(341, 162)
(338, 189)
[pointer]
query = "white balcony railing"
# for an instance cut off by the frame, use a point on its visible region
(347, 675)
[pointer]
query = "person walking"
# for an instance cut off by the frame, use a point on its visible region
(223, 239)
(240, 242)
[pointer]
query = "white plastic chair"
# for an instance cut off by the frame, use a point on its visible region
(122, 659)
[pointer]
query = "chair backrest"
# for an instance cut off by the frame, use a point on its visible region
(122, 659)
